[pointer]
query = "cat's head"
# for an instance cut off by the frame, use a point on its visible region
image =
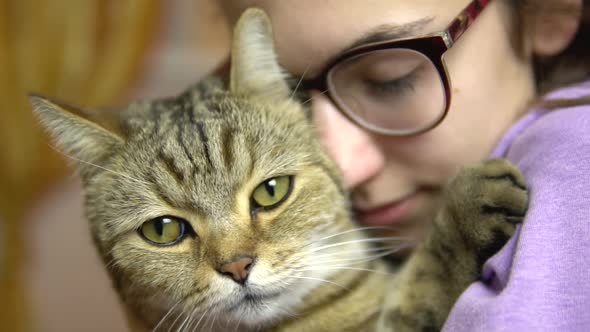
(215, 202)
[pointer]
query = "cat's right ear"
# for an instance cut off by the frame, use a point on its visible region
(74, 131)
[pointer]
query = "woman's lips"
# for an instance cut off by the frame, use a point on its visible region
(388, 214)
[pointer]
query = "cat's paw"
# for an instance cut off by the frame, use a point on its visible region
(486, 201)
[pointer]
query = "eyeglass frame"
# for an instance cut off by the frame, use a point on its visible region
(432, 46)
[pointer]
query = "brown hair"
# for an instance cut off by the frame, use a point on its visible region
(572, 65)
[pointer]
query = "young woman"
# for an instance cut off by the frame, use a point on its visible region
(400, 122)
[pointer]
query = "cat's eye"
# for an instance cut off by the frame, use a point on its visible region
(272, 192)
(164, 231)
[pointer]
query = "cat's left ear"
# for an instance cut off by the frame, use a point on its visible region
(76, 132)
(255, 70)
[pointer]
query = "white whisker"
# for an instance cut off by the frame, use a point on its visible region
(348, 252)
(322, 268)
(174, 322)
(213, 322)
(359, 229)
(110, 264)
(308, 100)
(184, 322)
(299, 82)
(100, 167)
(277, 308)
(238, 325)
(200, 319)
(358, 260)
(367, 240)
(165, 316)
(190, 320)
(319, 279)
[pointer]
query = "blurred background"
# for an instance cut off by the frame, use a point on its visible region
(88, 53)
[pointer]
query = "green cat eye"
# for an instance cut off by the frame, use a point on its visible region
(272, 192)
(163, 231)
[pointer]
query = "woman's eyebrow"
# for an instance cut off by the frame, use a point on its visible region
(379, 33)
(391, 31)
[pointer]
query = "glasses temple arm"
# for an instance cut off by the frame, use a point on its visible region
(463, 21)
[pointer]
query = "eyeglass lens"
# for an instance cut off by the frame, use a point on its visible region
(391, 90)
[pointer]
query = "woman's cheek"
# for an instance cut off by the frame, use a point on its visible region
(356, 153)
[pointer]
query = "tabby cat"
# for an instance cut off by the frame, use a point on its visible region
(218, 210)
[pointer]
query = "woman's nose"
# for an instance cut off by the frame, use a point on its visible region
(353, 149)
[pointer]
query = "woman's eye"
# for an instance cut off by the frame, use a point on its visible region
(164, 231)
(397, 86)
(272, 192)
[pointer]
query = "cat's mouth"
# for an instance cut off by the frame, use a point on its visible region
(254, 299)
(254, 308)
(257, 297)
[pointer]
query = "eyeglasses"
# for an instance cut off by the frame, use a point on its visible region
(398, 87)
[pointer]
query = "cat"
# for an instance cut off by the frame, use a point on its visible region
(219, 210)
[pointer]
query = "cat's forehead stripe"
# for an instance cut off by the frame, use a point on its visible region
(227, 141)
(204, 141)
(180, 140)
(170, 164)
(156, 116)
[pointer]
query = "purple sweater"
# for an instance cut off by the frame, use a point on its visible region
(540, 281)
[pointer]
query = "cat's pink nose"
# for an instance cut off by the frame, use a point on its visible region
(238, 268)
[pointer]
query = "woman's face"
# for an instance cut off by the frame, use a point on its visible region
(397, 181)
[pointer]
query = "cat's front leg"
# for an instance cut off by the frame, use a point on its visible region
(482, 206)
